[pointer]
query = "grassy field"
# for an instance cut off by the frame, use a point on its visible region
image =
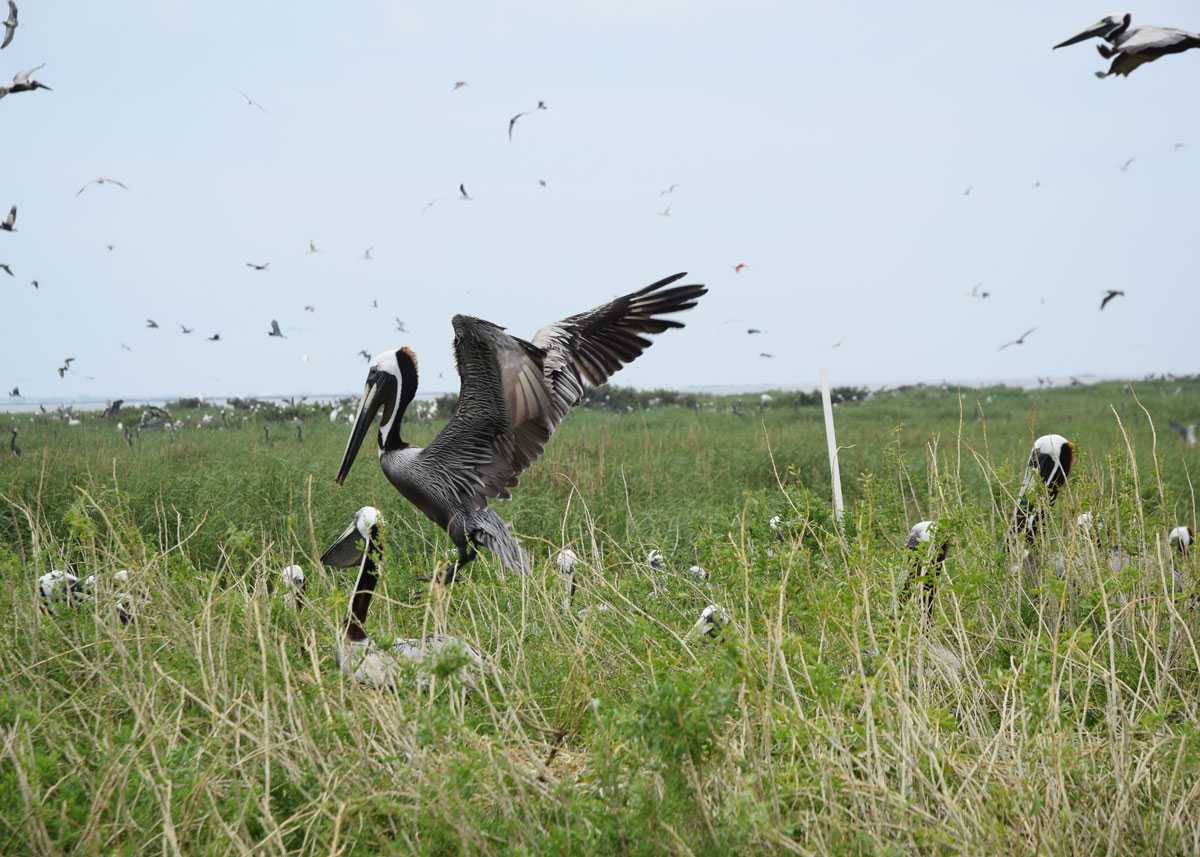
(1036, 713)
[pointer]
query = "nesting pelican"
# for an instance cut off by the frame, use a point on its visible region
(710, 624)
(1181, 539)
(928, 558)
(514, 393)
(357, 654)
(1051, 458)
(1129, 48)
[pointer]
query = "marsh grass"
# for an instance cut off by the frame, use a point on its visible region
(1038, 712)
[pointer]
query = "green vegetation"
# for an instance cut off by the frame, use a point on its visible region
(1037, 713)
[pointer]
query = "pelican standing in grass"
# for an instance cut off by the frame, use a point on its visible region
(514, 393)
(357, 654)
(928, 558)
(1181, 539)
(1051, 459)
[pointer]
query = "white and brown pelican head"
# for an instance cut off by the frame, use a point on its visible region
(921, 533)
(345, 553)
(391, 386)
(1051, 456)
(1181, 539)
(1107, 28)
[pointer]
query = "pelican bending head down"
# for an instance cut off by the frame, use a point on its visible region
(514, 393)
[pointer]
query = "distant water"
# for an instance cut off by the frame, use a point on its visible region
(93, 403)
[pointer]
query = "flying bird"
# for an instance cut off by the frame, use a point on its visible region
(216, 337)
(1020, 340)
(512, 122)
(151, 323)
(62, 370)
(374, 304)
(1128, 163)
(312, 247)
(1129, 48)
(100, 181)
(9, 224)
(739, 267)
(6, 269)
(463, 195)
(186, 329)
(766, 355)
(838, 344)
(753, 331)
(35, 284)
(258, 267)
(366, 355)
(967, 192)
(23, 82)
(400, 325)
(666, 212)
(367, 257)
(10, 25)
(1178, 146)
(542, 105)
(125, 347)
(514, 394)
(16, 393)
(668, 190)
(250, 102)
(275, 331)
(459, 84)
(977, 292)
(309, 308)
(1109, 295)
(111, 247)
(541, 182)
(429, 205)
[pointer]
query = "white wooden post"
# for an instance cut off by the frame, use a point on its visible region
(831, 442)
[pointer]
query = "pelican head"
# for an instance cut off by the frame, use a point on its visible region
(1106, 28)
(921, 533)
(1051, 457)
(293, 577)
(391, 386)
(1181, 539)
(345, 552)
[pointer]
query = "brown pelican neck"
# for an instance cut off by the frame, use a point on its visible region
(364, 588)
(389, 431)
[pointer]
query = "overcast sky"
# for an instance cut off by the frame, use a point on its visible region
(827, 146)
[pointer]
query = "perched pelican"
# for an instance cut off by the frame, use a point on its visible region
(698, 573)
(929, 557)
(566, 560)
(1130, 48)
(1051, 458)
(292, 577)
(357, 655)
(514, 393)
(710, 624)
(776, 525)
(655, 560)
(58, 587)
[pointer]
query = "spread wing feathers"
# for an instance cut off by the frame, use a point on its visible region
(515, 393)
(491, 532)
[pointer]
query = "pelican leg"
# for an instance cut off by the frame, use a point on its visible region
(466, 552)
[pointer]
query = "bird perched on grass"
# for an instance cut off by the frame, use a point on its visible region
(9, 224)
(1181, 539)
(928, 558)
(655, 560)
(1109, 295)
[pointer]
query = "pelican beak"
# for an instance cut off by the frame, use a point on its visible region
(373, 398)
(344, 552)
(1099, 29)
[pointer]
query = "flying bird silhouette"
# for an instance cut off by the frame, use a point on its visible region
(1130, 48)
(34, 283)
(754, 330)
(1020, 340)
(312, 247)
(100, 181)
(1125, 166)
(463, 195)
(258, 267)
(151, 323)
(62, 370)
(374, 304)
(967, 192)
(737, 269)
(275, 331)
(459, 84)
(10, 25)
(365, 355)
(367, 257)
(766, 355)
(23, 82)
(186, 329)
(309, 308)
(1109, 295)
(6, 269)
(9, 224)
(542, 105)
(976, 292)
(541, 182)
(429, 205)
(668, 189)
(512, 123)
(1178, 146)
(400, 325)
(250, 102)
(666, 212)
(16, 393)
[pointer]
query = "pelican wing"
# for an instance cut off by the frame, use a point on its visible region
(515, 393)
(1158, 40)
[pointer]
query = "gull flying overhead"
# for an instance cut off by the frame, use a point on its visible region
(541, 182)
(512, 123)
(309, 308)
(1128, 47)
(151, 323)
(766, 355)
(10, 25)
(275, 331)
(34, 283)
(9, 224)
(111, 247)
(429, 205)
(514, 395)
(459, 84)
(216, 337)
(967, 192)
(16, 393)
(977, 292)
(838, 344)
(6, 269)
(753, 331)
(1020, 340)
(366, 355)
(1109, 295)
(312, 247)
(23, 82)
(250, 102)
(367, 257)
(666, 212)
(462, 194)
(62, 370)
(125, 347)
(739, 267)
(400, 325)
(186, 329)
(542, 105)
(258, 267)
(1178, 146)
(668, 190)
(1128, 163)
(99, 181)
(374, 304)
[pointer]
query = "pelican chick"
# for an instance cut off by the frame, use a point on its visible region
(357, 654)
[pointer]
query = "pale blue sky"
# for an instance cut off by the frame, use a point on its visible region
(825, 145)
